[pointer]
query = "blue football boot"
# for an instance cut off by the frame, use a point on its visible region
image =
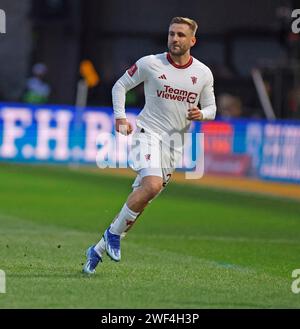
(92, 261)
(112, 245)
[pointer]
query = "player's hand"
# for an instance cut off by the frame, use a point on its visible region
(123, 127)
(194, 114)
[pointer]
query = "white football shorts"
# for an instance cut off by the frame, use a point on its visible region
(154, 155)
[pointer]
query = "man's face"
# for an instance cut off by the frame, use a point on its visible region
(180, 39)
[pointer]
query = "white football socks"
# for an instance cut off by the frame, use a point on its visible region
(123, 221)
(100, 247)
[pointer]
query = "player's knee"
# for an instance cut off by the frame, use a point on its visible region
(152, 189)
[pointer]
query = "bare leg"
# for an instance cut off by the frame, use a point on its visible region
(135, 204)
(140, 197)
(150, 186)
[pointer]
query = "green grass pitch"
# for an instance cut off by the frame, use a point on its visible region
(192, 248)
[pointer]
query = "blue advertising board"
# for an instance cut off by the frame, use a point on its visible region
(63, 134)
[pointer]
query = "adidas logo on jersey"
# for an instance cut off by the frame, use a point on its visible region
(162, 77)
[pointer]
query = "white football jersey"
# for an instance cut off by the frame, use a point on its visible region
(170, 90)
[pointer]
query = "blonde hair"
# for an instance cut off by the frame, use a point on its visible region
(184, 20)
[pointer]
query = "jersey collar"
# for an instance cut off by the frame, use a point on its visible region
(189, 63)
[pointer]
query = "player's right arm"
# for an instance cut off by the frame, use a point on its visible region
(131, 78)
(207, 98)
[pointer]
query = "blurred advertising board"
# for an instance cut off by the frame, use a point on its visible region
(64, 134)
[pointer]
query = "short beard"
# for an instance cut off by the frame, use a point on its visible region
(179, 52)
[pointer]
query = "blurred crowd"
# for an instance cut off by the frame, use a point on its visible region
(46, 75)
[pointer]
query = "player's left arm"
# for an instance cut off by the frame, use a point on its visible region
(208, 108)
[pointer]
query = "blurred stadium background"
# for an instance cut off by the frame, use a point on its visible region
(241, 221)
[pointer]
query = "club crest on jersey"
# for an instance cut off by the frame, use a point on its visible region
(132, 70)
(194, 80)
(147, 157)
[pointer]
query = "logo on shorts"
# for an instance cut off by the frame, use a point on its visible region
(132, 70)
(147, 157)
(194, 80)
(180, 95)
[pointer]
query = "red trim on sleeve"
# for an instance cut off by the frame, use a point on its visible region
(189, 63)
(132, 70)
